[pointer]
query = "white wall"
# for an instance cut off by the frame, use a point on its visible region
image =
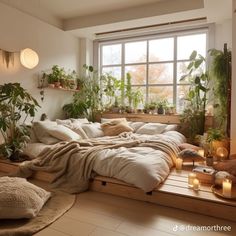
(233, 98)
(54, 46)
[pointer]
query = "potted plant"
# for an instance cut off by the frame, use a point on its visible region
(56, 76)
(193, 116)
(137, 97)
(161, 105)
(216, 139)
(16, 104)
(152, 107)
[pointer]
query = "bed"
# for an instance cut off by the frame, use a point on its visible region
(141, 157)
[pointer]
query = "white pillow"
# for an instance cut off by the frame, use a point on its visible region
(63, 133)
(20, 199)
(77, 128)
(63, 122)
(170, 128)
(80, 120)
(105, 120)
(93, 130)
(41, 131)
(151, 128)
(136, 125)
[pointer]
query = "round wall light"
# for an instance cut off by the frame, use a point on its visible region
(29, 58)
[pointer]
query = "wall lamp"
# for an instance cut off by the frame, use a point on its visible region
(28, 58)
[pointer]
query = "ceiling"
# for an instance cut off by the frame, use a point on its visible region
(84, 18)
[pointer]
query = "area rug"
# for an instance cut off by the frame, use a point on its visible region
(57, 205)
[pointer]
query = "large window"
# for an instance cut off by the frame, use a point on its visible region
(156, 64)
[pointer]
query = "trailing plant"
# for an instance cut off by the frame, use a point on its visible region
(220, 68)
(16, 104)
(193, 116)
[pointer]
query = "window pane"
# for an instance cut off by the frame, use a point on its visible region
(186, 44)
(115, 71)
(138, 74)
(161, 50)
(160, 92)
(136, 52)
(111, 54)
(161, 73)
(182, 92)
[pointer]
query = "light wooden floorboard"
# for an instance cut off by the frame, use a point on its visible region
(99, 214)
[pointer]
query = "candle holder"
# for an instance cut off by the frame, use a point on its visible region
(222, 153)
(178, 164)
(196, 184)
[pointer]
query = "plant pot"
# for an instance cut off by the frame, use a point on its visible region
(51, 85)
(160, 110)
(57, 84)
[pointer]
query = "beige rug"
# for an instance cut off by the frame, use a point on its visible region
(57, 205)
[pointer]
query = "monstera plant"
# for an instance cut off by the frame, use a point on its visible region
(16, 104)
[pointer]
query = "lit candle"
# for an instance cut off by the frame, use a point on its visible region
(196, 184)
(201, 152)
(191, 177)
(179, 163)
(227, 186)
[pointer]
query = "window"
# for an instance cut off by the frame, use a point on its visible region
(156, 64)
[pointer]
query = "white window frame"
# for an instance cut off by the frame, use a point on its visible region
(209, 42)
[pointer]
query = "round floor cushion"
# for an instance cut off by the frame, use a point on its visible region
(20, 199)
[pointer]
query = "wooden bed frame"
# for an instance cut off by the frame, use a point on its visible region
(174, 192)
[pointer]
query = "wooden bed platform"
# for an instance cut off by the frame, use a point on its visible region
(174, 192)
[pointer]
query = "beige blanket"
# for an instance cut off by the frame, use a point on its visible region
(139, 161)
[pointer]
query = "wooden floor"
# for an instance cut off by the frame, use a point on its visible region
(99, 214)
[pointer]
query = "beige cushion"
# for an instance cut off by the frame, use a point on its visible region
(114, 128)
(77, 128)
(20, 199)
(63, 122)
(105, 120)
(63, 133)
(32, 150)
(151, 128)
(93, 130)
(41, 131)
(183, 146)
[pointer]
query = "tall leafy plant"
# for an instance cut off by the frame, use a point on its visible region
(193, 116)
(220, 68)
(16, 104)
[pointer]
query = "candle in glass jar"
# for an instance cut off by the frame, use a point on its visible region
(179, 163)
(227, 186)
(191, 177)
(196, 184)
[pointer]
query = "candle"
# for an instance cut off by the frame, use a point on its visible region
(179, 163)
(227, 185)
(196, 184)
(201, 152)
(191, 177)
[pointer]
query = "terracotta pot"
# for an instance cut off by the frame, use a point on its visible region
(57, 84)
(51, 85)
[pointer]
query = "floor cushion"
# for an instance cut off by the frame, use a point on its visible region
(20, 199)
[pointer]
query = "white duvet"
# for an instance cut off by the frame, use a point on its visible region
(144, 165)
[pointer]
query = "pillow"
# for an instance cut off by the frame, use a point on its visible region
(20, 199)
(105, 120)
(170, 128)
(41, 131)
(33, 137)
(63, 122)
(93, 130)
(32, 150)
(114, 128)
(136, 125)
(77, 128)
(80, 120)
(63, 133)
(183, 146)
(151, 128)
